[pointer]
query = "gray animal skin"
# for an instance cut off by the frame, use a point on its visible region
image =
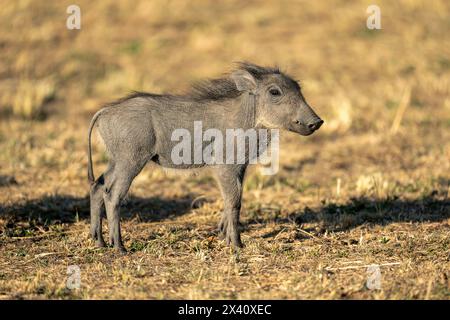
(137, 129)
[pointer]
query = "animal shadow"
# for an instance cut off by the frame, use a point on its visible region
(24, 218)
(364, 211)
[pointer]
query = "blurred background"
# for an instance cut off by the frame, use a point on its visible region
(384, 96)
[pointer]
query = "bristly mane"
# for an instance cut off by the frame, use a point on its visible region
(224, 88)
(213, 89)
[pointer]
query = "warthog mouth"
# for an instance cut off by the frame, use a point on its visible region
(306, 132)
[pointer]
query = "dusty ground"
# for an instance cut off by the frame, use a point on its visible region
(371, 187)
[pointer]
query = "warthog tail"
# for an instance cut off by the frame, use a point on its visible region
(91, 177)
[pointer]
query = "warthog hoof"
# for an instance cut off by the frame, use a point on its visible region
(230, 233)
(120, 249)
(98, 238)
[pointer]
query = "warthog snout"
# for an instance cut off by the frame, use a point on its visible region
(306, 120)
(305, 129)
(315, 125)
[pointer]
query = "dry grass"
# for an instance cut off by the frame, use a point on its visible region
(384, 96)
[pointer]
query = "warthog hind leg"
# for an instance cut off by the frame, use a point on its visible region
(116, 188)
(97, 211)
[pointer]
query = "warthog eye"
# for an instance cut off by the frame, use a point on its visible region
(275, 92)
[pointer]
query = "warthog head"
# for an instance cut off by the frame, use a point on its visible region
(279, 100)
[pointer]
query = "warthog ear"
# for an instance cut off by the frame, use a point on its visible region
(244, 80)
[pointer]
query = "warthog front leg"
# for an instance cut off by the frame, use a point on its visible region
(230, 180)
